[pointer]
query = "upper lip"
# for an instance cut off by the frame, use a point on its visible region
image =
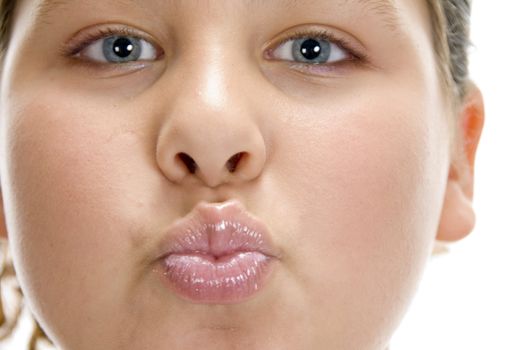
(218, 229)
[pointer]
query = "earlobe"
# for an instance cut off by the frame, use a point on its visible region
(3, 227)
(458, 217)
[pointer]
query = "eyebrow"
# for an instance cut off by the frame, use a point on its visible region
(385, 9)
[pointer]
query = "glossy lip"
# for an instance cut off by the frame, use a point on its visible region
(218, 253)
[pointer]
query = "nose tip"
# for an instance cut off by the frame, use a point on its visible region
(185, 156)
(192, 166)
(211, 176)
(212, 132)
(209, 169)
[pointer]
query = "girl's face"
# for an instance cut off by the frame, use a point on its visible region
(345, 158)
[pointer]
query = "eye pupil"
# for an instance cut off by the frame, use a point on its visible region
(310, 49)
(123, 47)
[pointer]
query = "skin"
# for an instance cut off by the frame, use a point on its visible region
(352, 169)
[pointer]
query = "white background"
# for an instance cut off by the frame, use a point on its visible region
(475, 296)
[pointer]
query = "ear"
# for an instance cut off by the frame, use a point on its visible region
(458, 218)
(3, 228)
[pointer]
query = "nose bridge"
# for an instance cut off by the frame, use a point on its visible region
(211, 83)
(212, 79)
(211, 132)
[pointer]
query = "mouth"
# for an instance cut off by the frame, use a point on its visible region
(217, 254)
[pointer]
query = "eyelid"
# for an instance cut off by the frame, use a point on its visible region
(356, 53)
(80, 41)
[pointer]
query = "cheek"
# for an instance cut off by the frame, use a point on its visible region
(361, 187)
(70, 171)
(368, 181)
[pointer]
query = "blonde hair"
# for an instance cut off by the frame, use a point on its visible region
(10, 291)
(450, 20)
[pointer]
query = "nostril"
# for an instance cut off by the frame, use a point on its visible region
(188, 161)
(234, 161)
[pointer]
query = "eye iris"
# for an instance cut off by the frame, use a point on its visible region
(123, 47)
(310, 49)
(120, 49)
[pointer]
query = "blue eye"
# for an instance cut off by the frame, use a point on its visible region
(310, 50)
(119, 49)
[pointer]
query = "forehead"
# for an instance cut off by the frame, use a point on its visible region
(387, 10)
(385, 6)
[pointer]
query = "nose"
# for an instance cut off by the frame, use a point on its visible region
(211, 133)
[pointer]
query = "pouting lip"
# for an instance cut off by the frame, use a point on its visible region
(217, 229)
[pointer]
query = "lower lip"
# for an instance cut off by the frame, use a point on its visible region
(225, 280)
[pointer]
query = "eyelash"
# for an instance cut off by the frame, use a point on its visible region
(70, 50)
(355, 55)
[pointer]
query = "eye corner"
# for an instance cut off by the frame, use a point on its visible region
(339, 49)
(80, 48)
(158, 48)
(267, 53)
